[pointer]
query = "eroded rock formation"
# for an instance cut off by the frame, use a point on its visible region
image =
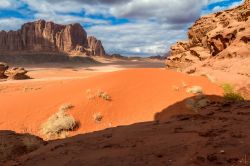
(42, 36)
(17, 73)
(13, 144)
(95, 46)
(3, 68)
(220, 35)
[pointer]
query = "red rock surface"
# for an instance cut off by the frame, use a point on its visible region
(42, 36)
(95, 46)
(222, 35)
(218, 47)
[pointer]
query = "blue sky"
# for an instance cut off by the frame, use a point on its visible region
(128, 27)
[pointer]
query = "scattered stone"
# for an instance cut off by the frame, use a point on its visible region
(17, 73)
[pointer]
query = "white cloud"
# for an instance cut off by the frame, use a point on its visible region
(154, 24)
(147, 38)
(7, 4)
(11, 23)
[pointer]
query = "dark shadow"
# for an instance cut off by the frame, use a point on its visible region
(210, 135)
(13, 145)
(41, 58)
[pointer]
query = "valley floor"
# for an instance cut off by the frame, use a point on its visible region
(144, 96)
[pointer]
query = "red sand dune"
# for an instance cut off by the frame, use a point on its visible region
(137, 95)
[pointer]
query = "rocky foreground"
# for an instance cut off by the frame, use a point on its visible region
(217, 135)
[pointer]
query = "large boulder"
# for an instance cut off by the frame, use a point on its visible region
(17, 73)
(3, 68)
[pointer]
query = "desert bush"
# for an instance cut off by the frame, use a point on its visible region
(66, 107)
(176, 88)
(90, 94)
(98, 117)
(104, 96)
(195, 90)
(231, 94)
(101, 94)
(59, 124)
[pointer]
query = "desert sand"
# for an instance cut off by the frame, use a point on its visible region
(137, 94)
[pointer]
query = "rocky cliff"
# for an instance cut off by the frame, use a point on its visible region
(95, 46)
(220, 35)
(42, 36)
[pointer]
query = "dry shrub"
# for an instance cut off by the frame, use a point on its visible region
(104, 96)
(98, 117)
(101, 94)
(58, 125)
(195, 90)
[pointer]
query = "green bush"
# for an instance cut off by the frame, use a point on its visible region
(231, 94)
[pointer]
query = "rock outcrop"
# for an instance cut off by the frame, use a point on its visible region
(17, 73)
(95, 47)
(221, 35)
(42, 36)
(13, 144)
(3, 68)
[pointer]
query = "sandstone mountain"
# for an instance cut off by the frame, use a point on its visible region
(42, 36)
(221, 35)
(218, 48)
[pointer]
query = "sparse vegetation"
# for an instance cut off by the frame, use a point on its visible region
(90, 95)
(98, 117)
(231, 94)
(195, 90)
(58, 125)
(104, 96)
(66, 107)
(101, 94)
(184, 85)
(176, 88)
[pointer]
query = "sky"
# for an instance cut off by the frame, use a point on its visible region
(127, 27)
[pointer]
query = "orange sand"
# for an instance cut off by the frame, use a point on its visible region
(137, 95)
